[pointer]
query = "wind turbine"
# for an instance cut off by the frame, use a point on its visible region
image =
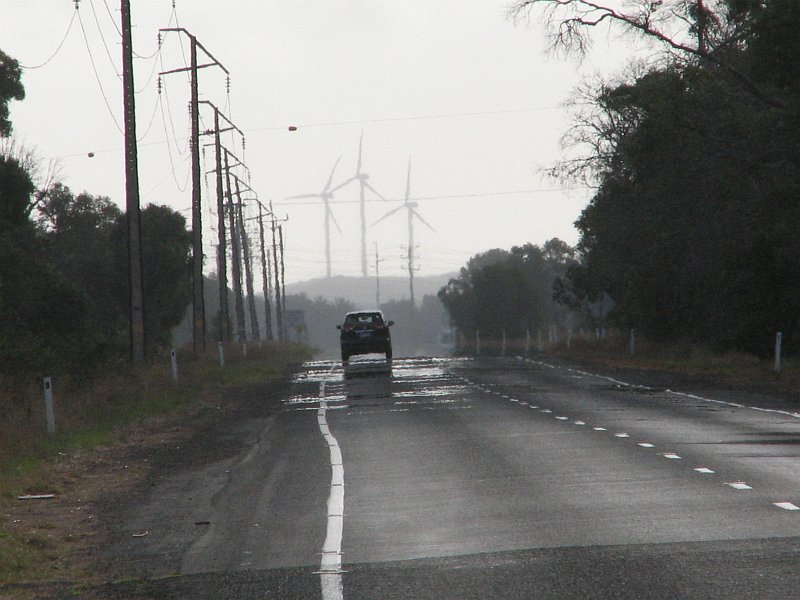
(361, 178)
(326, 194)
(411, 208)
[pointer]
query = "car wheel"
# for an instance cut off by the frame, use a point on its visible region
(345, 357)
(389, 354)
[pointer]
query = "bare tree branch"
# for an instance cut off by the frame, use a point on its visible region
(569, 23)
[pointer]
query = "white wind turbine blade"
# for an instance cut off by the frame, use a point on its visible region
(360, 144)
(344, 183)
(374, 191)
(408, 180)
(330, 214)
(390, 213)
(330, 179)
(302, 196)
(416, 214)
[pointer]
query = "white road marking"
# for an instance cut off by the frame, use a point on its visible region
(739, 485)
(786, 505)
(672, 456)
(704, 470)
(646, 445)
(330, 570)
(562, 418)
(547, 411)
(599, 428)
(621, 435)
(794, 415)
(580, 423)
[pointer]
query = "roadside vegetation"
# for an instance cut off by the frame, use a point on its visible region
(690, 237)
(98, 415)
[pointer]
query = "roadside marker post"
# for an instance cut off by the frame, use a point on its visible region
(49, 405)
(173, 360)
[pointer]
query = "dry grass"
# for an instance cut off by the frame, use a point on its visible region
(94, 419)
(730, 368)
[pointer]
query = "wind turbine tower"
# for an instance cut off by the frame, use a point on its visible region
(411, 208)
(361, 178)
(326, 194)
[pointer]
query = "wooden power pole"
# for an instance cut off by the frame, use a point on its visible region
(137, 332)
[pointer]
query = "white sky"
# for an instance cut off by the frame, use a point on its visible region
(469, 95)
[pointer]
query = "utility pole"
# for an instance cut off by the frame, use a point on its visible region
(236, 263)
(198, 300)
(378, 261)
(278, 304)
(265, 274)
(137, 333)
(248, 266)
(222, 255)
(283, 285)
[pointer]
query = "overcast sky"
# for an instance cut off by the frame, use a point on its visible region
(470, 96)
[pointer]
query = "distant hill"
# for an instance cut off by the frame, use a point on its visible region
(361, 290)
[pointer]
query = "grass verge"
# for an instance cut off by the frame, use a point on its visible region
(93, 416)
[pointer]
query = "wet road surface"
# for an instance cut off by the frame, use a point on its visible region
(492, 478)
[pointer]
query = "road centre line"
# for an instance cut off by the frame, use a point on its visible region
(330, 571)
(737, 485)
(786, 413)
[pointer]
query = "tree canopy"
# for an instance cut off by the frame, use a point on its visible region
(692, 227)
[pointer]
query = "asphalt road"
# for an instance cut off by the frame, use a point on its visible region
(495, 478)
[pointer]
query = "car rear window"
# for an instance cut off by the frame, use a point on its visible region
(364, 319)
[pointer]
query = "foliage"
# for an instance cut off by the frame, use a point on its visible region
(11, 88)
(508, 291)
(692, 228)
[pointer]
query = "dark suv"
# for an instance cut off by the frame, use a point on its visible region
(364, 332)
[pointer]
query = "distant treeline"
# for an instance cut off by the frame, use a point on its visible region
(509, 291)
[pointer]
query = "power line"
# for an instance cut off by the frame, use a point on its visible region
(103, 38)
(60, 44)
(414, 118)
(444, 197)
(94, 69)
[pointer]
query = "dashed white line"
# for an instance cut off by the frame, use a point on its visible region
(704, 470)
(671, 456)
(621, 435)
(599, 428)
(786, 505)
(646, 445)
(739, 485)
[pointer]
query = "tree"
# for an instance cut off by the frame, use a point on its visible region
(708, 32)
(11, 88)
(508, 291)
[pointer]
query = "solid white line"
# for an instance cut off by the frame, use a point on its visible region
(330, 568)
